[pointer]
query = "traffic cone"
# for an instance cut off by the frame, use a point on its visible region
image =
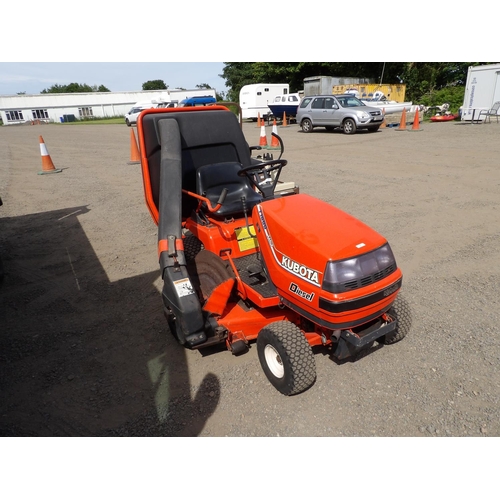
(402, 123)
(383, 119)
(47, 165)
(135, 157)
(416, 122)
(258, 119)
(284, 119)
(275, 143)
(263, 139)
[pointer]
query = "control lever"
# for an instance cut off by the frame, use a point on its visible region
(222, 197)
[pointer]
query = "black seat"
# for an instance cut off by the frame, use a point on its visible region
(207, 136)
(212, 179)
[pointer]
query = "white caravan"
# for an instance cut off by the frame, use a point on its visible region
(254, 98)
(482, 90)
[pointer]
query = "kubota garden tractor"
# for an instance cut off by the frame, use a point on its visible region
(241, 262)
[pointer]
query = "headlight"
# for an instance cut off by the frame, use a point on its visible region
(363, 115)
(363, 270)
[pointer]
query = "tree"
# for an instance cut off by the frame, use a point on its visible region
(74, 87)
(421, 78)
(154, 85)
(219, 96)
(293, 73)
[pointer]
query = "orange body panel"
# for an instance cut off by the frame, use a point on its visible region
(296, 247)
(247, 323)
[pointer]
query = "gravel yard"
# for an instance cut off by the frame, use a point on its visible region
(85, 348)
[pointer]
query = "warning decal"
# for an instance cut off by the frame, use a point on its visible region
(246, 240)
(183, 287)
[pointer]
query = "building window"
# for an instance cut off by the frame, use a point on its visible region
(14, 116)
(40, 114)
(85, 112)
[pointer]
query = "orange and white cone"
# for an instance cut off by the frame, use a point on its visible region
(135, 157)
(47, 165)
(416, 122)
(258, 119)
(402, 123)
(275, 143)
(383, 125)
(263, 139)
(284, 119)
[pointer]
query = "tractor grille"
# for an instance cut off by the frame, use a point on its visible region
(347, 286)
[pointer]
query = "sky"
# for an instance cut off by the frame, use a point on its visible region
(33, 77)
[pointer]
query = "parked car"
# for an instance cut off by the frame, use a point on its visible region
(133, 114)
(333, 111)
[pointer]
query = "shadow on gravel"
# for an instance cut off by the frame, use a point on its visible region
(81, 355)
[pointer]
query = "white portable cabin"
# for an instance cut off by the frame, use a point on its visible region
(482, 90)
(254, 98)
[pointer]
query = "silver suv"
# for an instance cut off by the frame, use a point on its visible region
(333, 111)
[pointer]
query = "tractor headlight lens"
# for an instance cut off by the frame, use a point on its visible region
(349, 274)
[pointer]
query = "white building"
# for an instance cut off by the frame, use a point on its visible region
(16, 109)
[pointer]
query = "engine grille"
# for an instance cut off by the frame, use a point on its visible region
(376, 113)
(347, 286)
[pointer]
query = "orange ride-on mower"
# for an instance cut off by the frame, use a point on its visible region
(240, 262)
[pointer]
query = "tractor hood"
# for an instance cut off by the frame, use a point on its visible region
(301, 234)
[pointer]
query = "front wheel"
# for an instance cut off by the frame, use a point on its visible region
(306, 125)
(127, 122)
(349, 126)
(286, 357)
(400, 310)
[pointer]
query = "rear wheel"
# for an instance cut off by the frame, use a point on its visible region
(349, 126)
(400, 310)
(192, 247)
(286, 357)
(306, 125)
(207, 271)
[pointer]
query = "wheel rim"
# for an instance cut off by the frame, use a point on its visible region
(306, 126)
(348, 127)
(274, 361)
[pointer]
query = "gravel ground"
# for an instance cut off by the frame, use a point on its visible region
(85, 349)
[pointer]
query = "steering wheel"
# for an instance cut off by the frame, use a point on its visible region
(260, 176)
(260, 166)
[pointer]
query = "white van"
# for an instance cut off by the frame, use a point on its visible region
(135, 111)
(254, 98)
